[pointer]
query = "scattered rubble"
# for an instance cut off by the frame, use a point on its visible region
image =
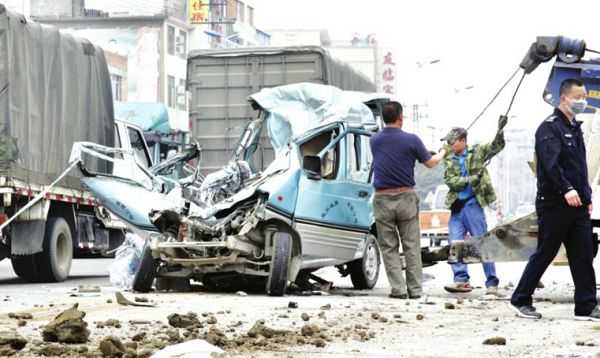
(141, 299)
(67, 327)
(112, 347)
(183, 321)
(241, 294)
(109, 323)
(125, 302)
(54, 349)
(310, 330)
(88, 289)
(292, 304)
(305, 317)
(11, 343)
(449, 306)
(496, 341)
(20, 315)
(139, 336)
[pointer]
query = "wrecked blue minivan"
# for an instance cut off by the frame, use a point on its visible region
(308, 209)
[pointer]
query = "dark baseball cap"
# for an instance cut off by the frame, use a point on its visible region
(454, 134)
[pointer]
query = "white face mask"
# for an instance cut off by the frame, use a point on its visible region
(576, 106)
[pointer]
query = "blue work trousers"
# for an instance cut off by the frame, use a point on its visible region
(471, 219)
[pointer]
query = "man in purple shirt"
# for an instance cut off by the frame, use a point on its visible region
(396, 205)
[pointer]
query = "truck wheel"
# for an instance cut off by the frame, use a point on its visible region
(146, 271)
(25, 266)
(364, 272)
(280, 260)
(54, 262)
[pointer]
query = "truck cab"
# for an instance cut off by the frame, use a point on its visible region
(42, 240)
(434, 222)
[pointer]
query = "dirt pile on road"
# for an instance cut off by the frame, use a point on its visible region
(67, 327)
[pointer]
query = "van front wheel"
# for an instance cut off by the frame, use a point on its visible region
(280, 261)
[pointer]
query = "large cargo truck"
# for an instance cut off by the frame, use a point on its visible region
(54, 90)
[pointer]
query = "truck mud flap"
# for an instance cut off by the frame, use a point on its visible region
(27, 237)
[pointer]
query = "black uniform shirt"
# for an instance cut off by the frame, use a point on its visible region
(561, 160)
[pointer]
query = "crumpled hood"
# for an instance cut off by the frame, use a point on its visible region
(297, 108)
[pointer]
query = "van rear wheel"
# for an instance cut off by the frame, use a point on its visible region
(364, 272)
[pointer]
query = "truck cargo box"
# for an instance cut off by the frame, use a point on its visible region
(55, 90)
(220, 82)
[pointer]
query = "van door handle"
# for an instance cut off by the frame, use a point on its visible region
(363, 193)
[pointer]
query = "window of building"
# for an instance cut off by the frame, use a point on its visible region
(170, 40)
(250, 16)
(181, 44)
(181, 97)
(116, 82)
(239, 11)
(171, 92)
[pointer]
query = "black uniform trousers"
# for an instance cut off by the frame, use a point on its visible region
(573, 227)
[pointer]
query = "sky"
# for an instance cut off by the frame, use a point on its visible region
(479, 44)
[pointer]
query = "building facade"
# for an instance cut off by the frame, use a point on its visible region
(147, 42)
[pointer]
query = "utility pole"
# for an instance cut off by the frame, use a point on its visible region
(432, 136)
(417, 116)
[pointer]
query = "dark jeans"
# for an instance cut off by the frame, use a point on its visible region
(573, 227)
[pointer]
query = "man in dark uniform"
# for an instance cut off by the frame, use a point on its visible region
(563, 206)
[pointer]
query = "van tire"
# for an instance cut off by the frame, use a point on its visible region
(54, 262)
(146, 271)
(280, 261)
(364, 272)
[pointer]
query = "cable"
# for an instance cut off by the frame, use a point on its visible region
(590, 50)
(515, 94)
(494, 98)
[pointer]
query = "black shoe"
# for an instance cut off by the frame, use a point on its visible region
(415, 297)
(593, 316)
(525, 311)
(400, 296)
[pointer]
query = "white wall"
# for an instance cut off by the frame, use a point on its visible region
(361, 58)
(175, 66)
(20, 6)
(295, 37)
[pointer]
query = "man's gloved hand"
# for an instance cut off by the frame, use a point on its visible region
(502, 121)
(474, 180)
(446, 149)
